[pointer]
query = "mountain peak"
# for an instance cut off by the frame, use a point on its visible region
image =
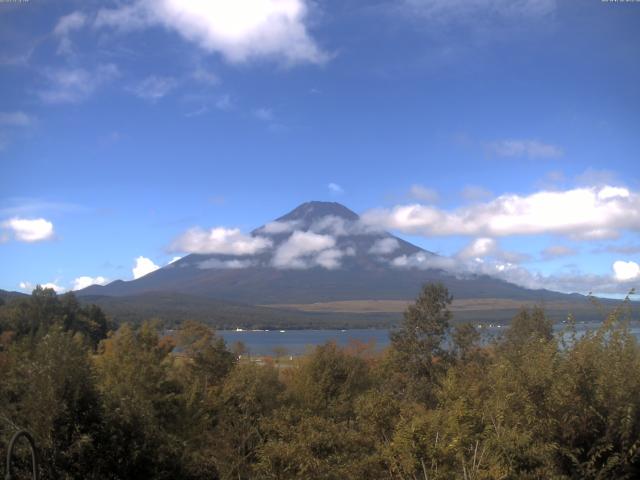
(315, 210)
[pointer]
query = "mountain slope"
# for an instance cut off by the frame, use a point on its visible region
(352, 262)
(174, 308)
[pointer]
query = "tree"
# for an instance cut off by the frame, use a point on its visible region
(58, 404)
(208, 360)
(595, 404)
(315, 447)
(239, 348)
(527, 327)
(249, 394)
(417, 357)
(466, 340)
(328, 381)
(279, 352)
(35, 315)
(143, 404)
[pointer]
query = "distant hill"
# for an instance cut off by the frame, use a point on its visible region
(361, 264)
(7, 295)
(174, 308)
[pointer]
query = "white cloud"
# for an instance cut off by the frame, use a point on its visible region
(208, 102)
(607, 192)
(384, 246)
(29, 230)
(264, 114)
(301, 250)
(339, 226)
(85, 281)
(474, 193)
(329, 259)
(204, 76)
(220, 240)
(9, 123)
(425, 261)
(68, 23)
(15, 119)
(329, 224)
(581, 213)
(28, 286)
(555, 251)
(55, 287)
(335, 188)
(524, 148)
(225, 264)
(173, 260)
(19, 206)
(224, 102)
(599, 178)
(143, 267)
(479, 248)
(625, 271)
(552, 180)
(511, 257)
(482, 248)
(154, 88)
(128, 17)
(333, 225)
(568, 282)
(467, 10)
(597, 234)
(424, 194)
(64, 27)
(275, 228)
(76, 84)
(240, 30)
(625, 249)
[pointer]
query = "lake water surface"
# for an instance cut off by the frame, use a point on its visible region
(297, 342)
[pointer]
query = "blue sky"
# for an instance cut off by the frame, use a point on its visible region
(125, 124)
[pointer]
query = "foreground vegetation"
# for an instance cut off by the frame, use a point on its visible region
(128, 404)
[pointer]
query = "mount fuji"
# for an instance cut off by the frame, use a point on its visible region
(318, 258)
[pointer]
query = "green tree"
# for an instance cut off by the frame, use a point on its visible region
(209, 361)
(526, 327)
(35, 315)
(143, 404)
(417, 357)
(466, 341)
(249, 394)
(327, 382)
(50, 391)
(314, 447)
(596, 407)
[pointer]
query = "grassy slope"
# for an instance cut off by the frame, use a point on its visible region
(175, 308)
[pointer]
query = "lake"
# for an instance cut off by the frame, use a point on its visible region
(297, 342)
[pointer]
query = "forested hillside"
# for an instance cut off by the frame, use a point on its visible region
(124, 404)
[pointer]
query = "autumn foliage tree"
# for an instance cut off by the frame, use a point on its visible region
(440, 402)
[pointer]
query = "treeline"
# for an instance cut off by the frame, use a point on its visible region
(437, 404)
